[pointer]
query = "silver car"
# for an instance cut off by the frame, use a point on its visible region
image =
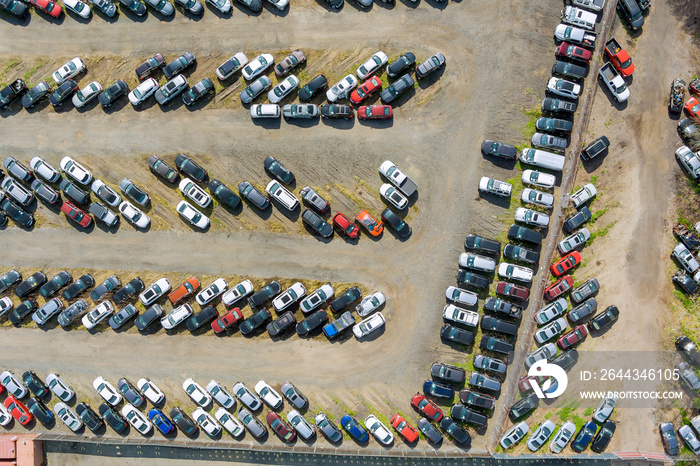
(255, 88)
(163, 7)
(251, 423)
(193, 6)
(430, 65)
(549, 142)
(300, 111)
(171, 89)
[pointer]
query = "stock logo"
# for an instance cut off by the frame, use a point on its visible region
(551, 388)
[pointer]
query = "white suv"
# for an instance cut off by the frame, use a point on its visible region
(473, 261)
(282, 195)
(97, 314)
(155, 291)
(176, 317)
(315, 299)
(686, 258)
(583, 195)
(499, 188)
(531, 217)
(289, 297)
(237, 292)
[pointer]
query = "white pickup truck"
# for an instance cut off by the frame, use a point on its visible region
(398, 178)
(593, 5)
(614, 81)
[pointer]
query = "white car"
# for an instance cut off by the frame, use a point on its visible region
(472, 261)
(551, 311)
(282, 195)
(220, 394)
(268, 394)
(316, 298)
(13, 385)
(531, 217)
(136, 419)
(6, 305)
(97, 314)
(301, 425)
(196, 392)
(695, 422)
(289, 297)
(71, 69)
(237, 292)
(257, 66)
(279, 4)
(246, 397)
(66, 414)
(192, 215)
(212, 291)
(461, 296)
(282, 90)
(230, 423)
(686, 258)
(392, 173)
(106, 193)
(393, 196)
(342, 88)
(543, 352)
(143, 91)
(562, 437)
(461, 316)
(563, 88)
(689, 160)
(236, 62)
(132, 213)
(570, 243)
(535, 178)
(533, 196)
(59, 387)
(566, 33)
(540, 436)
(492, 186)
(583, 195)
(377, 60)
(150, 391)
(155, 291)
(370, 303)
(5, 416)
(514, 435)
(550, 330)
(379, 430)
(265, 111)
(605, 408)
(86, 94)
(16, 191)
(368, 325)
(194, 192)
(176, 316)
(76, 171)
(206, 422)
(79, 8)
(44, 170)
(107, 391)
(515, 272)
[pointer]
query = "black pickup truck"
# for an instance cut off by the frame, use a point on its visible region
(12, 92)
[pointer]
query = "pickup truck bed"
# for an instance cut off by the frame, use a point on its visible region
(619, 57)
(335, 328)
(614, 82)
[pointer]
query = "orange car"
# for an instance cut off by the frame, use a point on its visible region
(374, 227)
(184, 290)
(692, 107)
(404, 428)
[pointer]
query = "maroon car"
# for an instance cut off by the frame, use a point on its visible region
(514, 291)
(558, 288)
(375, 112)
(574, 52)
(224, 322)
(281, 428)
(573, 337)
(147, 68)
(524, 383)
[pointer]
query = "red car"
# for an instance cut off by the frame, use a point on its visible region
(18, 410)
(573, 52)
(51, 8)
(373, 227)
(404, 429)
(224, 322)
(694, 87)
(524, 383)
(375, 112)
(558, 288)
(367, 88)
(426, 407)
(345, 225)
(565, 264)
(514, 291)
(79, 216)
(573, 337)
(281, 428)
(692, 107)
(184, 290)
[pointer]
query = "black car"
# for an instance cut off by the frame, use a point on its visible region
(553, 105)
(9, 279)
(400, 227)
(520, 253)
(579, 218)
(481, 244)
(603, 437)
(112, 417)
(15, 213)
(631, 12)
(197, 91)
(224, 194)
(669, 438)
(431, 433)
(497, 345)
(566, 359)
(113, 92)
(146, 68)
(143, 321)
(312, 322)
(465, 277)
(75, 193)
(30, 284)
(19, 313)
(277, 170)
(313, 87)
(492, 324)
(477, 400)
(17, 88)
(110, 284)
(337, 111)
(569, 70)
(123, 316)
(516, 232)
(35, 384)
(595, 148)
(453, 430)
(464, 414)
(63, 92)
(448, 373)
(265, 293)
(77, 287)
(3, 218)
(350, 296)
(281, 324)
(523, 406)
(44, 192)
(40, 411)
(406, 60)
(254, 195)
(161, 168)
(35, 94)
(604, 320)
(395, 89)
(498, 149)
(89, 417)
(179, 64)
(139, 9)
(449, 332)
(56, 283)
(317, 223)
(499, 305)
(131, 394)
(253, 5)
(688, 348)
(202, 317)
(183, 421)
(190, 168)
(254, 321)
(554, 125)
(128, 291)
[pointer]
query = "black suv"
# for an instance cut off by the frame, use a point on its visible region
(569, 70)
(337, 111)
(398, 87)
(313, 87)
(112, 417)
(78, 286)
(523, 406)
(30, 284)
(595, 148)
(202, 317)
(279, 171)
(147, 318)
(190, 168)
(516, 232)
(112, 93)
(631, 12)
(400, 227)
(481, 244)
(576, 220)
(63, 92)
(312, 322)
(265, 293)
(254, 321)
(128, 291)
(474, 279)
(496, 344)
(161, 168)
(351, 295)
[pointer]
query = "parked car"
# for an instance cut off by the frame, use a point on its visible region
(548, 141)
(584, 437)
(583, 311)
(135, 6)
(30, 285)
(124, 315)
(342, 88)
(89, 92)
(34, 95)
(312, 322)
(44, 313)
(495, 187)
(63, 92)
(354, 428)
(438, 390)
(255, 321)
(594, 149)
(396, 89)
(128, 291)
(282, 195)
(72, 312)
(172, 88)
(265, 111)
(604, 320)
(97, 314)
(482, 244)
(314, 86)
(563, 88)
(283, 89)
(584, 291)
(458, 335)
(469, 416)
(558, 288)
(369, 87)
(306, 111)
(369, 325)
(266, 293)
(520, 253)
(194, 193)
(565, 264)
(448, 373)
(237, 61)
(576, 220)
(372, 226)
(227, 321)
(569, 70)
(430, 65)
(152, 64)
(199, 319)
(498, 149)
(345, 225)
(145, 320)
(511, 290)
(145, 89)
(484, 383)
(236, 292)
(254, 195)
(465, 277)
(453, 430)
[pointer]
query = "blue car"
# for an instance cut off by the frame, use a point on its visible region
(438, 390)
(354, 428)
(161, 421)
(584, 437)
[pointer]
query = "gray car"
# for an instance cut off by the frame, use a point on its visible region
(103, 214)
(430, 432)
(73, 313)
(294, 396)
(172, 88)
(430, 65)
(254, 195)
(163, 7)
(254, 5)
(398, 87)
(16, 191)
(17, 170)
(328, 428)
(193, 6)
(548, 141)
(74, 192)
(311, 197)
(105, 6)
(134, 192)
(255, 88)
(44, 192)
(300, 111)
(254, 426)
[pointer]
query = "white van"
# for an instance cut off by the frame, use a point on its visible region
(579, 17)
(282, 195)
(542, 158)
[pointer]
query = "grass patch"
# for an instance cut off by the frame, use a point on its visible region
(277, 227)
(594, 179)
(602, 232)
(685, 221)
(596, 215)
(10, 64)
(588, 411)
(39, 63)
(529, 129)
